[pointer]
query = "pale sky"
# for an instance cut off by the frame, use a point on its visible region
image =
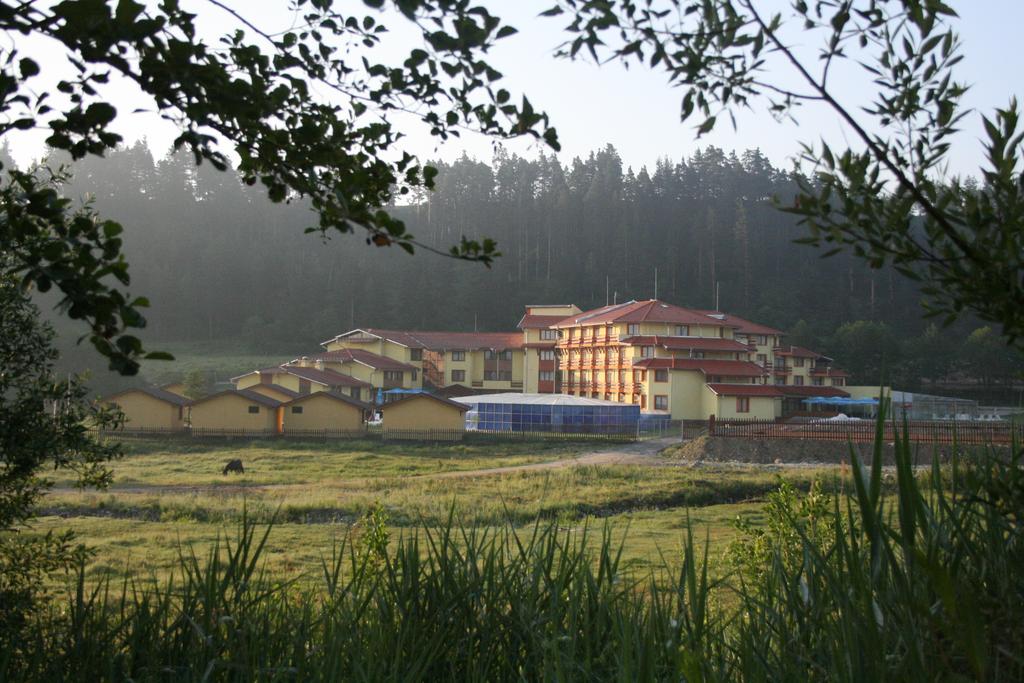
(633, 109)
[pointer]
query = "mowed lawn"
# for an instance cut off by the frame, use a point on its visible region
(172, 499)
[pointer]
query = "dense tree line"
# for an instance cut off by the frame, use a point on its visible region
(220, 262)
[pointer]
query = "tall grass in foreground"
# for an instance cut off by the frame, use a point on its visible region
(926, 585)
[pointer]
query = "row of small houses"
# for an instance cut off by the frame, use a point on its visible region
(268, 409)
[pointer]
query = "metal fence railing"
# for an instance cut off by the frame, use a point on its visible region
(919, 431)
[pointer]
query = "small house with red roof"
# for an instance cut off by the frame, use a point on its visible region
(236, 411)
(150, 409)
(418, 416)
(324, 411)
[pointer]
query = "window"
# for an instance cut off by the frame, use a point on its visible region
(818, 381)
(632, 329)
(838, 382)
(742, 404)
(698, 354)
(661, 402)
(607, 376)
(682, 330)
(548, 335)
(780, 380)
(253, 410)
(498, 375)
(647, 351)
(547, 376)
(505, 355)
(458, 375)
(762, 359)
(393, 375)
(661, 375)
(714, 379)
(304, 386)
(354, 392)
(798, 362)
(547, 354)
(414, 373)
(638, 375)
(296, 410)
(762, 339)
(489, 355)
(458, 355)
(416, 354)
(797, 380)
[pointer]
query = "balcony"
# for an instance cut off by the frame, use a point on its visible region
(781, 369)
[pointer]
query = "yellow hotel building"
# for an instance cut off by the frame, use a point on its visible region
(683, 362)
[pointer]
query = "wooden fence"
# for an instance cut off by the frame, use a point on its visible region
(374, 432)
(864, 431)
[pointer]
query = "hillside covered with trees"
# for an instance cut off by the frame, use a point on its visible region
(222, 264)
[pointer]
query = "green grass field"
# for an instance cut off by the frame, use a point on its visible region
(210, 358)
(170, 497)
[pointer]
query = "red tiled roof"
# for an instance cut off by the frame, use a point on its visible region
(154, 392)
(696, 343)
(412, 397)
(541, 345)
(797, 351)
(285, 391)
(328, 378)
(745, 390)
(244, 393)
(256, 372)
(744, 326)
(725, 368)
(808, 391)
(368, 358)
(652, 311)
(446, 341)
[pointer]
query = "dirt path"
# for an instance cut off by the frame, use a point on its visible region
(639, 453)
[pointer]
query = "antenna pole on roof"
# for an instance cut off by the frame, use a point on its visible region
(718, 290)
(616, 299)
(655, 282)
(605, 290)
(474, 323)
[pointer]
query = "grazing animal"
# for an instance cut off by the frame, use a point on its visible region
(234, 466)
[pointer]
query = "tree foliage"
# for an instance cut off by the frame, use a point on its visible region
(256, 95)
(43, 423)
(566, 229)
(885, 197)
